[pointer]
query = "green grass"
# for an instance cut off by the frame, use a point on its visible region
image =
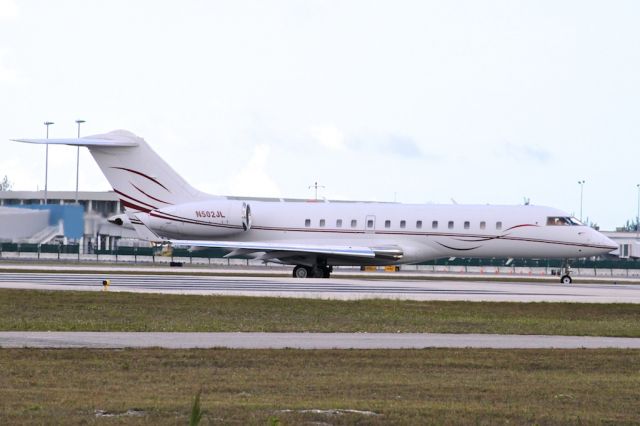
(107, 311)
(436, 386)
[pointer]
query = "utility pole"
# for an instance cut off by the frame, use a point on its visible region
(79, 122)
(316, 186)
(46, 165)
(638, 214)
(581, 183)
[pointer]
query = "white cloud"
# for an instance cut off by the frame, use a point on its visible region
(329, 137)
(253, 179)
(8, 10)
(7, 73)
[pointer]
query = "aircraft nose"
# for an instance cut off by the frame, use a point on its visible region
(609, 243)
(604, 241)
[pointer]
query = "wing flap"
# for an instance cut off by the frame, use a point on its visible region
(249, 246)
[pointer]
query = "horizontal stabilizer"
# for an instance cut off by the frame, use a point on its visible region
(90, 141)
(248, 246)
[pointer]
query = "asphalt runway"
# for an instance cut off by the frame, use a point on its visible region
(19, 339)
(334, 288)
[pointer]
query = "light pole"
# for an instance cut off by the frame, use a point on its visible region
(638, 214)
(78, 159)
(316, 186)
(46, 165)
(581, 183)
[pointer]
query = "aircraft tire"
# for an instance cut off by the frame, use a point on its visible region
(301, 271)
(566, 279)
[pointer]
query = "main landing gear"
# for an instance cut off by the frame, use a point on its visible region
(317, 271)
(566, 273)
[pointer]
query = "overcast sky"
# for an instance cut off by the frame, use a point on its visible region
(421, 101)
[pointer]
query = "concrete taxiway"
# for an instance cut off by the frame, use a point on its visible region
(335, 288)
(19, 339)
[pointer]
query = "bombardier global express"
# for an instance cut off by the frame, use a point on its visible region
(315, 236)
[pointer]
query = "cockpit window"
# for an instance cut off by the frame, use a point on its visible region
(563, 221)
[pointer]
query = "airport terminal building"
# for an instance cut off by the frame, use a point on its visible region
(26, 218)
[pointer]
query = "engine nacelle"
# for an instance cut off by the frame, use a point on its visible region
(121, 220)
(201, 219)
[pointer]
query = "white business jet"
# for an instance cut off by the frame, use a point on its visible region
(315, 236)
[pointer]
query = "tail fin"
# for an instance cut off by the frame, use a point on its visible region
(142, 179)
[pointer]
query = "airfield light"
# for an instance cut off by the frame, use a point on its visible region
(79, 122)
(46, 165)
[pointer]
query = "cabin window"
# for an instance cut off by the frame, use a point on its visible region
(434, 224)
(466, 225)
(403, 224)
(483, 224)
(498, 225)
(339, 223)
(369, 223)
(307, 222)
(450, 224)
(354, 223)
(419, 224)
(387, 224)
(321, 223)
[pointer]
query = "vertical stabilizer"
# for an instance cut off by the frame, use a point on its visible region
(142, 179)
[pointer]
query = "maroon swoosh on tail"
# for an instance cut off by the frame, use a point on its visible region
(143, 175)
(133, 206)
(150, 196)
(134, 199)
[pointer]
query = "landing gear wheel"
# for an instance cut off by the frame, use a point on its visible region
(566, 279)
(301, 271)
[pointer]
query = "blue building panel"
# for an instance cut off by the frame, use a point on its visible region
(72, 216)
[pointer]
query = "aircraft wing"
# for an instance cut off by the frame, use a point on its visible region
(281, 249)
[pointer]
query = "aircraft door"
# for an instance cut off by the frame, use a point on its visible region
(370, 224)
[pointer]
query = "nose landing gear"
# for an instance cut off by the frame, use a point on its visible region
(566, 273)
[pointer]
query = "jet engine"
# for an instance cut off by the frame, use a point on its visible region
(201, 220)
(121, 220)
